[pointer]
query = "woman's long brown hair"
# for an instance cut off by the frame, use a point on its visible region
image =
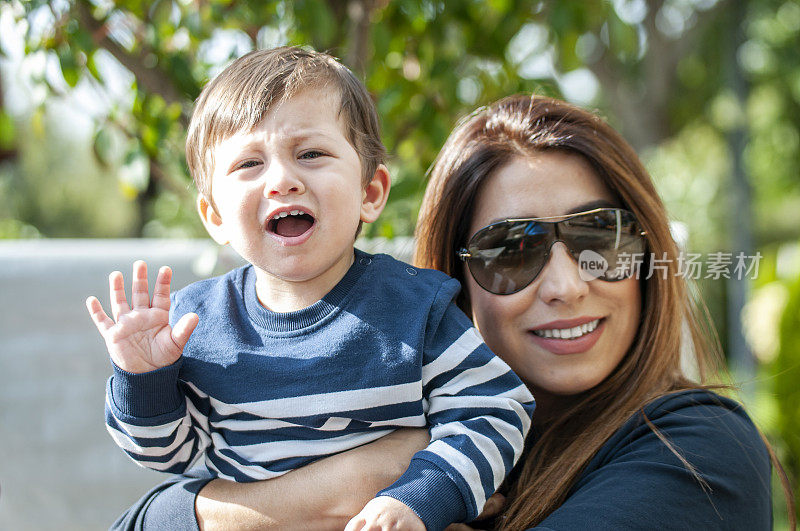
(672, 319)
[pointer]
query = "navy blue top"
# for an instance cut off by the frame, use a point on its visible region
(636, 482)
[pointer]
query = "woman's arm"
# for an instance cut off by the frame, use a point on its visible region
(322, 495)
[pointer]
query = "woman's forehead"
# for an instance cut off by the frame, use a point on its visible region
(550, 183)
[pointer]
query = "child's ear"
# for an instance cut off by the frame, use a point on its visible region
(375, 195)
(211, 220)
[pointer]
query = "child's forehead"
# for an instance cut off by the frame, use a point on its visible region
(311, 113)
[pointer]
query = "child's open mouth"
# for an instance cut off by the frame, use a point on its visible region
(290, 224)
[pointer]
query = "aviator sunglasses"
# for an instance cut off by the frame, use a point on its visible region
(505, 257)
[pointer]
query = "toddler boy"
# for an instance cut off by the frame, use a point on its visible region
(314, 347)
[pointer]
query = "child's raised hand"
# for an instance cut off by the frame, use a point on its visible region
(384, 513)
(139, 338)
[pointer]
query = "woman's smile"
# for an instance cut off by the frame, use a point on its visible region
(568, 337)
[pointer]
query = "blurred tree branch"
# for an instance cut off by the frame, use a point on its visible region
(640, 93)
(151, 78)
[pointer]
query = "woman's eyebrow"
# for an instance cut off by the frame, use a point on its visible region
(591, 205)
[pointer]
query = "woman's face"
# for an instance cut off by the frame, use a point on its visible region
(553, 183)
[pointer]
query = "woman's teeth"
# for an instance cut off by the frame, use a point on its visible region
(568, 333)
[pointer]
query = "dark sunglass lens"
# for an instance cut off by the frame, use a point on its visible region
(624, 260)
(607, 244)
(506, 257)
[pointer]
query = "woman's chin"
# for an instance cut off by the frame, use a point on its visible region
(566, 387)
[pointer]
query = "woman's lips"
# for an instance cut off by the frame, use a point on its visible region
(569, 346)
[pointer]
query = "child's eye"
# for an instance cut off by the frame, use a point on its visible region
(313, 154)
(248, 164)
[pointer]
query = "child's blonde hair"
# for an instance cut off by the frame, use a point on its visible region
(239, 98)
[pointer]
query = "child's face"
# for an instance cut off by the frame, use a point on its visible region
(289, 193)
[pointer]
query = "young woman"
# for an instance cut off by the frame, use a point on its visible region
(553, 226)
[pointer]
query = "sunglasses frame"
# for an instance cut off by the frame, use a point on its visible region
(464, 254)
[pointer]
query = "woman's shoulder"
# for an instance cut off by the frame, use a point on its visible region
(701, 417)
(697, 406)
(688, 460)
(706, 400)
(694, 452)
(697, 422)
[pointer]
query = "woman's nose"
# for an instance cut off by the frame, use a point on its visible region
(281, 179)
(560, 280)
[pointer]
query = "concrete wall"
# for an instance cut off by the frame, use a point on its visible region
(59, 468)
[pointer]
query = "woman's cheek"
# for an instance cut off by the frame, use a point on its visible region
(496, 320)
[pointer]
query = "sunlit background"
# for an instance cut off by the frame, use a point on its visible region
(95, 98)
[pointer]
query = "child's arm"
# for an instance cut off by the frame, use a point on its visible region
(146, 411)
(479, 413)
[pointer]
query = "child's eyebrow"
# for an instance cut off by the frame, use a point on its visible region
(308, 134)
(294, 136)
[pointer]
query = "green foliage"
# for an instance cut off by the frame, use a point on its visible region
(7, 131)
(664, 73)
(427, 64)
(770, 58)
(786, 370)
(60, 190)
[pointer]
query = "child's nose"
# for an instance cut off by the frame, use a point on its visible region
(282, 180)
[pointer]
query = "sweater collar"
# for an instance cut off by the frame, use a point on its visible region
(300, 319)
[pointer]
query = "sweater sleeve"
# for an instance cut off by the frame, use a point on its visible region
(150, 418)
(478, 412)
(636, 482)
(147, 416)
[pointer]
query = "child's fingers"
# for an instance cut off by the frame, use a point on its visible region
(356, 523)
(183, 329)
(161, 289)
(102, 321)
(119, 303)
(494, 505)
(140, 298)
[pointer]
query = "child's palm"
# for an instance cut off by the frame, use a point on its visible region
(141, 339)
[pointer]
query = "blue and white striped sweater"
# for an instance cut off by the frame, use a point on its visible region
(257, 394)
